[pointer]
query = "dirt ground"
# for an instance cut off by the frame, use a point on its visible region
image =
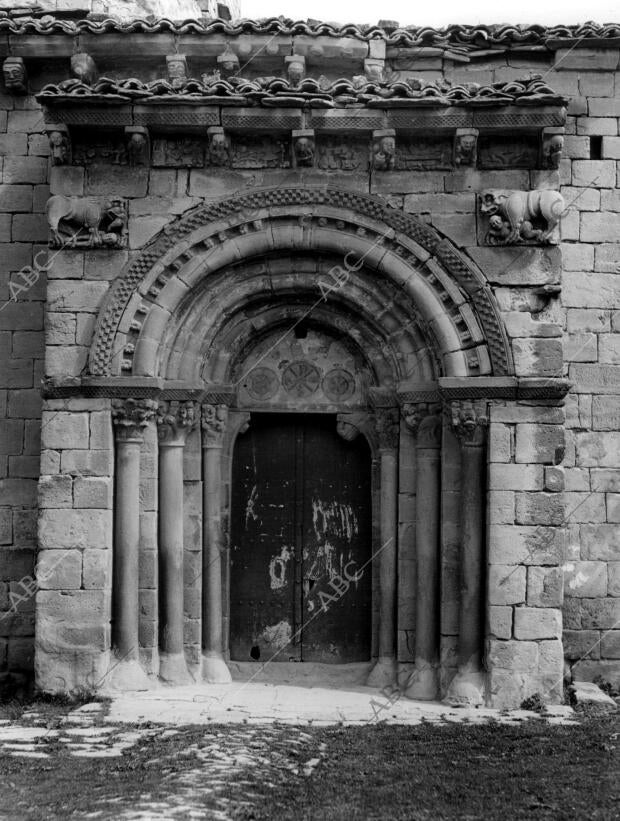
(59, 762)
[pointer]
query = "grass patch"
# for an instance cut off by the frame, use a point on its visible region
(533, 770)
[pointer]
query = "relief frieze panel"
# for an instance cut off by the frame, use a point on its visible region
(179, 153)
(260, 152)
(508, 152)
(424, 153)
(336, 154)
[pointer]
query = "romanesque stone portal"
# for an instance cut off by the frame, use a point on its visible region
(304, 391)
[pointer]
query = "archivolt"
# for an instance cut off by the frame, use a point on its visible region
(212, 258)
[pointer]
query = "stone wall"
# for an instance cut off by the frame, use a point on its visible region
(554, 473)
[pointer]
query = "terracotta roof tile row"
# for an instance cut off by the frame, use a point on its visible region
(468, 37)
(321, 93)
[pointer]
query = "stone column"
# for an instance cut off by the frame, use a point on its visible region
(130, 417)
(214, 420)
(384, 671)
(424, 420)
(470, 422)
(174, 421)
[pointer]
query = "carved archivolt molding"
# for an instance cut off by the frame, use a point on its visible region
(212, 226)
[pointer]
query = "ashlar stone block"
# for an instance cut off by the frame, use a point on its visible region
(533, 623)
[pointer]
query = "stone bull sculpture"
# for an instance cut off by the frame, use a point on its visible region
(521, 216)
(69, 217)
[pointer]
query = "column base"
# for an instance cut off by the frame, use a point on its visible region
(215, 671)
(383, 673)
(466, 689)
(423, 683)
(173, 669)
(127, 675)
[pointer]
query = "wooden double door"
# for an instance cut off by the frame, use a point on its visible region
(300, 548)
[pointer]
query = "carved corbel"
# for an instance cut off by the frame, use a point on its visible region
(176, 66)
(384, 149)
(138, 142)
(213, 422)
(228, 62)
(131, 416)
(374, 70)
(60, 144)
(219, 146)
(552, 144)
(15, 75)
(470, 420)
(522, 217)
(303, 148)
(175, 420)
(295, 68)
(466, 146)
(83, 67)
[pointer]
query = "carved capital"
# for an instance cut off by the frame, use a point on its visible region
(213, 421)
(388, 427)
(174, 421)
(131, 416)
(347, 430)
(424, 420)
(470, 421)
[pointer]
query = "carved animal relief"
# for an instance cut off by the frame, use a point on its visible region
(517, 217)
(80, 222)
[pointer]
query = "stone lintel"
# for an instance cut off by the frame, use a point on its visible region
(139, 387)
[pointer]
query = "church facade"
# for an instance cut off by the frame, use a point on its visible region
(310, 354)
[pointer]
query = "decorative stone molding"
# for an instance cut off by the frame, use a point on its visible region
(80, 222)
(213, 422)
(138, 143)
(15, 75)
(303, 147)
(175, 420)
(470, 420)
(517, 217)
(131, 416)
(384, 150)
(60, 144)
(466, 146)
(83, 68)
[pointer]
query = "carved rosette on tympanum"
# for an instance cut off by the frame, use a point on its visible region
(131, 416)
(388, 427)
(470, 421)
(424, 420)
(522, 217)
(213, 421)
(175, 420)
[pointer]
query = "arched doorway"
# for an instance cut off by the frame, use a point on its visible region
(300, 543)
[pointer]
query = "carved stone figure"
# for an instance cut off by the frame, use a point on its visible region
(295, 68)
(374, 71)
(530, 215)
(138, 145)
(552, 147)
(466, 146)
(68, 217)
(177, 69)
(83, 67)
(303, 148)
(228, 63)
(219, 146)
(384, 150)
(15, 76)
(60, 144)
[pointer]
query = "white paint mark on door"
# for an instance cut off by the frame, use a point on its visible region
(277, 569)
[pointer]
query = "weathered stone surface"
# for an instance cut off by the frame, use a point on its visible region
(59, 570)
(597, 449)
(603, 614)
(579, 644)
(65, 430)
(585, 579)
(539, 443)
(520, 656)
(600, 541)
(526, 545)
(507, 584)
(75, 529)
(91, 492)
(515, 477)
(55, 491)
(588, 694)
(544, 586)
(517, 266)
(97, 569)
(533, 623)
